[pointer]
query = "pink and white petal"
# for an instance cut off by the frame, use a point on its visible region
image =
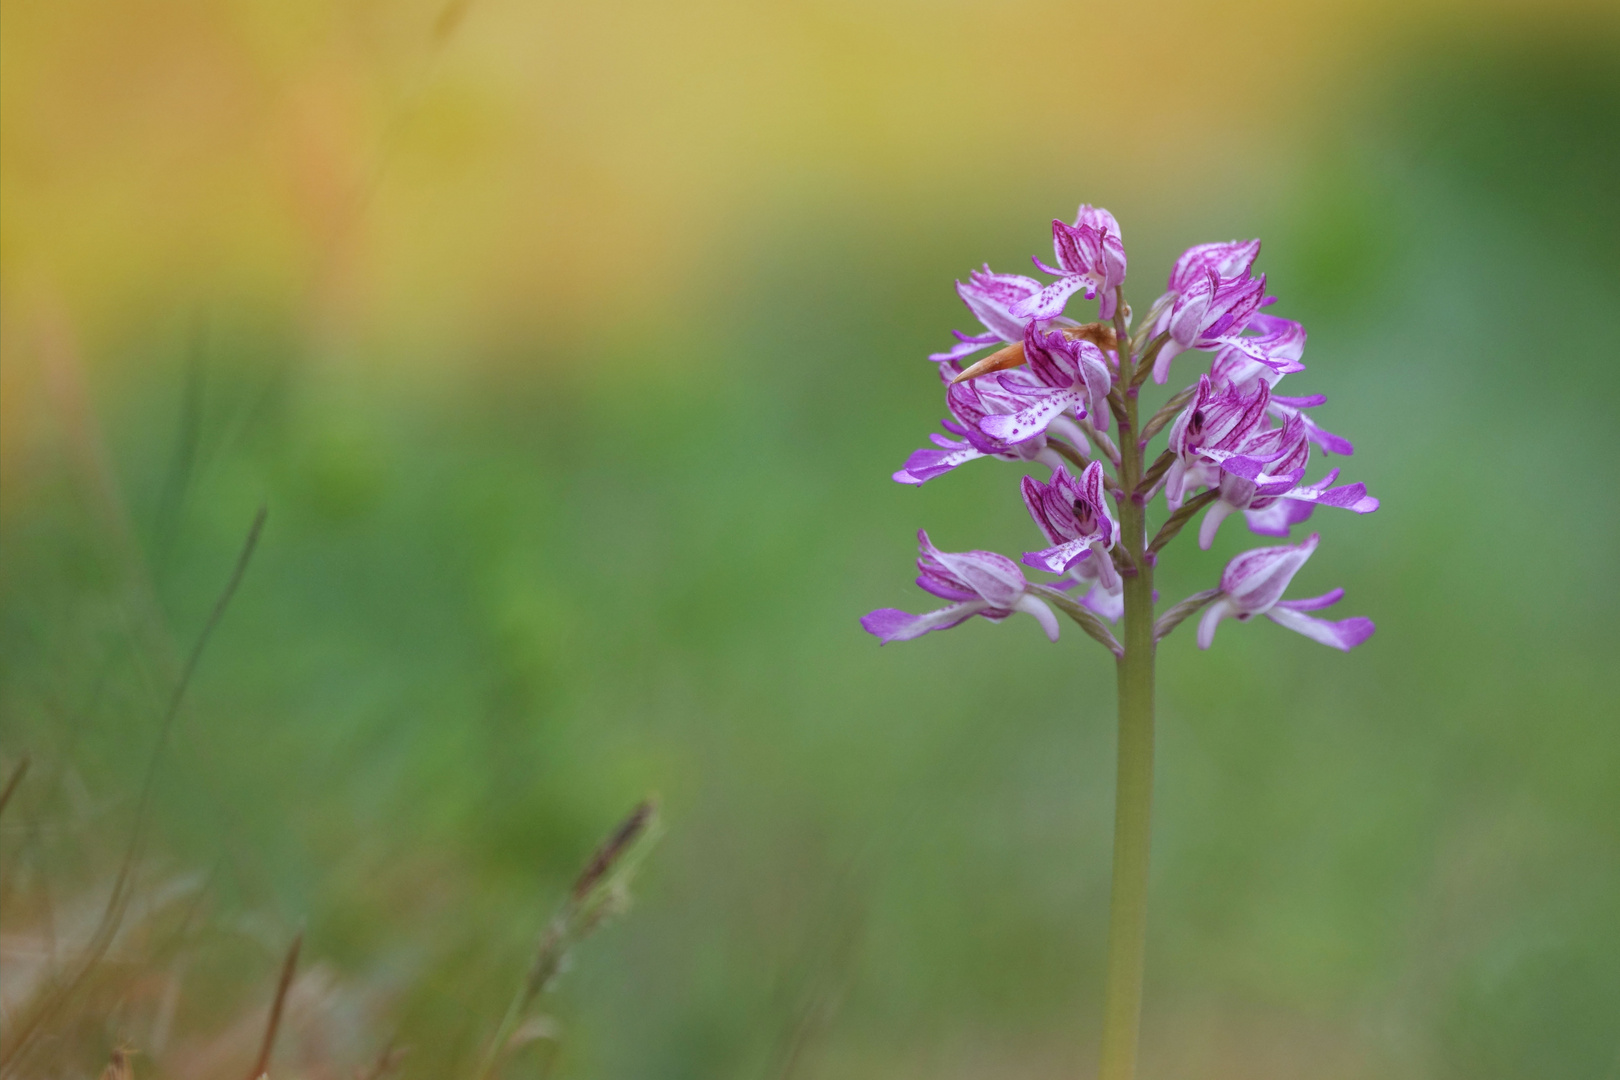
(1217, 513)
(1110, 605)
(924, 465)
(1351, 497)
(993, 576)
(1043, 614)
(1312, 603)
(1255, 580)
(892, 624)
(1345, 634)
(1329, 442)
(1279, 517)
(1058, 559)
(1161, 363)
(1213, 615)
(1049, 302)
(1107, 575)
(991, 296)
(1031, 420)
(965, 347)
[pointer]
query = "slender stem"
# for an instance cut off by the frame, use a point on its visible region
(1133, 795)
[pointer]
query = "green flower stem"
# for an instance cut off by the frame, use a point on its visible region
(1133, 796)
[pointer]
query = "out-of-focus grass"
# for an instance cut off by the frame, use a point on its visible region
(498, 601)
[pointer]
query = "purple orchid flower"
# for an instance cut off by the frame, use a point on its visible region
(991, 297)
(1090, 256)
(970, 402)
(1262, 480)
(1235, 258)
(1069, 375)
(1074, 516)
(1206, 286)
(1253, 584)
(1216, 425)
(976, 582)
(1208, 315)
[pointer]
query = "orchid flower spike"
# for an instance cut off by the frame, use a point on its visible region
(976, 582)
(1074, 516)
(1253, 584)
(991, 297)
(1090, 257)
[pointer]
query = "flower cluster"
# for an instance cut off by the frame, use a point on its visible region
(1052, 389)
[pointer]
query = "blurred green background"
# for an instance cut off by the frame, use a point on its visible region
(570, 350)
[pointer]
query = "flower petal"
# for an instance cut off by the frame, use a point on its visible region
(1313, 603)
(1059, 558)
(1217, 512)
(1255, 580)
(1213, 615)
(1345, 634)
(966, 347)
(1031, 420)
(924, 465)
(1278, 517)
(991, 297)
(1110, 605)
(892, 624)
(1050, 301)
(1043, 614)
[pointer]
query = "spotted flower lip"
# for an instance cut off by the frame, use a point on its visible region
(976, 582)
(1253, 584)
(1073, 514)
(1090, 256)
(1069, 375)
(991, 297)
(969, 403)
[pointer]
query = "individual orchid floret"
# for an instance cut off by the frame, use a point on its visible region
(1073, 514)
(1205, 316)
(1234, 258)
(1067, 375)
(969, 403)
(1216, 425)
(1262, 480)
(1253, 584)
(1090, 257)
(991, 297)
(976, 582)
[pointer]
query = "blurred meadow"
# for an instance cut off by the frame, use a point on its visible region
(570, 347)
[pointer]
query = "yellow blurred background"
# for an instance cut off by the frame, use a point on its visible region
(481, 168)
